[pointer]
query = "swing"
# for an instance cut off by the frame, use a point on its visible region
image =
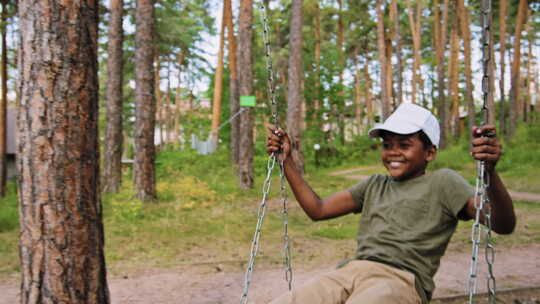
(272, 160)
(481, 200)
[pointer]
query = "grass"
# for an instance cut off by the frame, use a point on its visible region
(202, 216)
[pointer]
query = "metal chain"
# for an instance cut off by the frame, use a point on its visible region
(269, 66)
(260, 219)
(286, 241)
(267, 183)
(481, 201)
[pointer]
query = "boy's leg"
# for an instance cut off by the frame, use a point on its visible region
(333, 287)
(380, 283)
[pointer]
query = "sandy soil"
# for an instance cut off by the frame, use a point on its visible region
(223, 283)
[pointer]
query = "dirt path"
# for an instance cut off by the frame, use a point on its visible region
(214, 284)
(357, 175)
(222, 283)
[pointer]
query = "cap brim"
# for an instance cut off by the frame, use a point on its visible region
(402, 128)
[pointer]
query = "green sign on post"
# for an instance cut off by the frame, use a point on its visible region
(247, 101)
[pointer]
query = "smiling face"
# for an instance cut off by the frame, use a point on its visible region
(405, 156)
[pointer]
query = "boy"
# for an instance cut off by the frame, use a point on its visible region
(408, 216)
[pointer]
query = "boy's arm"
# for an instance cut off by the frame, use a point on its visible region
(337, 204)
(488, 149)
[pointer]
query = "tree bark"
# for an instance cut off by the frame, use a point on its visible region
(246, 89)
(464, 23)
(369, 100)
(397, 37)
(159, 102)
(503, 9)
(516, 65)
(177, 101)
(218, 81)
(417, 44)
(234, 95)
(382, 60)
(453, 76)
(317, 101)
(295, 96)
(61, 237)
(113, 131)
(145, 103)
(3, 103)
(440, 41)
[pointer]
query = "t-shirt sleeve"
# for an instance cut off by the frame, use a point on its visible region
(457, 191)
(359, 190)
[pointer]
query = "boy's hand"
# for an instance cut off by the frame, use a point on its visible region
(486, 146)
(278, 142)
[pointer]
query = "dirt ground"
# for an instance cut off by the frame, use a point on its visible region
(517, 271)
(222, 283)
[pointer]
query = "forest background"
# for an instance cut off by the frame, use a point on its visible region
(338, 67)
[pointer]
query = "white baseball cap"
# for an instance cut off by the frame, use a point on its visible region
(409, 118)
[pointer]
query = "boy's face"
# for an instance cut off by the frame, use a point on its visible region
(405, 156)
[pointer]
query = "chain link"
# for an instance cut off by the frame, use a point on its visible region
(286, 241)
(258, 228)
(267, 183)
(481, 201)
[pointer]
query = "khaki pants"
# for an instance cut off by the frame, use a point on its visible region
(357, 282)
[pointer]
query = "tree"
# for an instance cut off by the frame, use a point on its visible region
(145, 103)
(516, 66)
(113, 133)
(246, 89)
(385, 99)
(453, 77)
(415, 22)
(503, 8)
(440, 46)
(464, 22)
(396, 35)
(218, 83)
(295, 96)
(3, 103)
(62, 240)
(234, 103)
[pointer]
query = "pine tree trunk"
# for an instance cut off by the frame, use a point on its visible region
(246, 89)
(177, 101)
(218, 82)
(61, 237)
(503, 8)
(234, 102)
(453, 76)
(440, 40)
(168, 108)
(145, 103)
(369, 100)
(317, 102)
(397, 38)
(527, 103)
(339, 107)
(417, 44)
(295, 96)
(516, 66)
(113, 133)
(159, 103)
(464, 23)
(385, 102)
(357, 96)
(3, 104)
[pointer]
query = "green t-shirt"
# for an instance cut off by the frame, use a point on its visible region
(409, 223)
